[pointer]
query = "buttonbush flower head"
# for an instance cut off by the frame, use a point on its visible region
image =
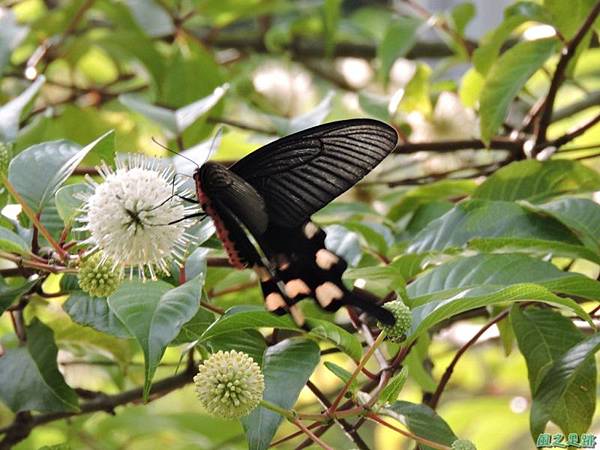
(128, 216)
(463, 444)
(5, 156)
(401, 312)
(98, 278)
(229, 384)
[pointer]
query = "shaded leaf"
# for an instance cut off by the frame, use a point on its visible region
(12, 242)
(10, 113)
(581, 215)
(572, 381)
(11, 35)
(391, 392)
(94, 313)
(68, 203)
(8, 293)
(422, 421)
(536, 181)
(153, 313)
(346, 342)
(501, 270)
(342, 374)
(433, 312)
(29, 376)
(286, 367)
(244, 318)
(250, 342)
(487, 219)
(399, 38)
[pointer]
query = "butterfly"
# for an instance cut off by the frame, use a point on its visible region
(261, 207)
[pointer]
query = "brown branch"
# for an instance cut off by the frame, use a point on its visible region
(347, 427)
(25, 422)
(568, 137)
(435, 398)
(567, 55)
(515, 146)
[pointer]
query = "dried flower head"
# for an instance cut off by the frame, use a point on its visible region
(129, 216)
(229, 384)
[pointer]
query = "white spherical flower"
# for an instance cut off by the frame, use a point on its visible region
(229, 384)
(129, 216)
(450, 121)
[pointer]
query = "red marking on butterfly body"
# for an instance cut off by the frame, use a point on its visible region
(222, 232)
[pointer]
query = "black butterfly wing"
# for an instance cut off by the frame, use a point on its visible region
(299, 174)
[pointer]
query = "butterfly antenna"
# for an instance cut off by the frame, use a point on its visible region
(174, 152)
(216, 138)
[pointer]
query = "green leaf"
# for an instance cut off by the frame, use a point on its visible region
(422, 421)
(37, 182)
(505, 79)
(193, 329)
(8, 293)
(514, 16)
(153, 312)
(344, 243)
(12, 242)
(379, 279)
(286, 367)
(29, 376)
(470, 88)
(409, 265)
(342, 374)
(68, 203)
(374, 105)
(537, 181)
(10, 113)
(244, 318)
(440, 190)
(399, 38)
(535, 247)
(416, 362)
(580, 215)
(94, 313)
(429, 314)
(11, 35)
(391, 392)
(174, 121)
(151, 18)
(346, 342)
(500, 270)
(331, 18)
(250, 342)
(567, 392)
(416, 93)
(461, 15)
(479, 219)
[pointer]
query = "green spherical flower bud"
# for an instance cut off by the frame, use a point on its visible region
(5, 156)
(463, 444)
(229, 384)
(397, 332)
(98, 278)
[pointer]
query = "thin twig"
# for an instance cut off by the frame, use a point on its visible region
(375, 418)
(567, 55)
(311, 435)
(435, 398)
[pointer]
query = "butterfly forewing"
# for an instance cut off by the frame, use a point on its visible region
(299, 174)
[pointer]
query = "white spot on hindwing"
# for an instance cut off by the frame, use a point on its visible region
(274, 301)
(327, 293)
(295, 287)
(325, 259)
(310, 230)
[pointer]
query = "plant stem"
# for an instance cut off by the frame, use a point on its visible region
(375, 418)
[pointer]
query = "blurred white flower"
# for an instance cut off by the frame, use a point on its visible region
(450, 121)
(356, 71)
(128, 216)
(288, 89)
